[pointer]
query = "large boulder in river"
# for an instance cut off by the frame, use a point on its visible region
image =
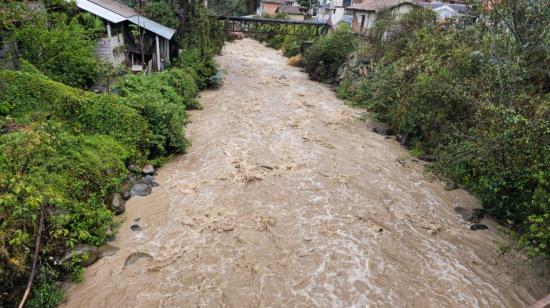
(116, 204)
(148, 170)
(83, 254)
(140, 188)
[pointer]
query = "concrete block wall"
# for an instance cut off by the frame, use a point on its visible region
(107, 52)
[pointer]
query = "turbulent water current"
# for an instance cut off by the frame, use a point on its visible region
(287, 199)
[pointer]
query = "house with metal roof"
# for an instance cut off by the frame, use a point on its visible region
(131, 38)
(366, 12)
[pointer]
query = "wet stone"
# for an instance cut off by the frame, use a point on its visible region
(148, 169)
(125, 195)
(108, 250)
(135, 227)
(150, 180)
(116, 204)
(85, 254)
(385, 131)
(476, 227)
(136, 256)
(140, 189)
(450, 185)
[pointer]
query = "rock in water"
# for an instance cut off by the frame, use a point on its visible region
(385, 131)
(148, 170)
(150, 180)
(140, 189)
(135, 228)
(465, 214)
(84, 254)
(125, 195)
(116, 204)
(475, 227)
(107, 250)
(135, 256)
(450, 185)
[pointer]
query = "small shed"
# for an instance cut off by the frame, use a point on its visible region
(131, 38)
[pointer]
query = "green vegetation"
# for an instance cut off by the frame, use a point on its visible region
(474, 94)
(323, 60)
(64, 150)
(60, 47)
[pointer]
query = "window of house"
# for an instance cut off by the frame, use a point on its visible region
(362, 22)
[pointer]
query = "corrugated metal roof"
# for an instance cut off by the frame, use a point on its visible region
(116, 12)
(116, 7)
(152, 26)
(100, 11)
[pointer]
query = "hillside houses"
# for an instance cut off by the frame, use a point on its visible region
(365, 12)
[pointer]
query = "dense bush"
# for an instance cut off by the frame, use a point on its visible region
(328, 53)
(477, 95)
(31, 97)
(162, 107)
(201, 68)
(44, 165)
(60, 47)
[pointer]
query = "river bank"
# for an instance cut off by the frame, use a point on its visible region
(287, 199)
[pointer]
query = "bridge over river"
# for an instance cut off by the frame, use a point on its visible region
(273, 26)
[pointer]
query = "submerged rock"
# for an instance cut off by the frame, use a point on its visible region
(83, 254)
(450, 185)
(116, 204)
(107, 250)
(148, 170)
(135, 256)
(140, 189)
(150, 180)
(473, 215)
(475, 227)
(385, 131)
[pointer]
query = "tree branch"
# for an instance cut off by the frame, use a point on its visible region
(35, 256)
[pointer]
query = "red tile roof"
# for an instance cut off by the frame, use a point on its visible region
(379, 5)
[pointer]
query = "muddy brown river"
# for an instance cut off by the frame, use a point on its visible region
(286, 199)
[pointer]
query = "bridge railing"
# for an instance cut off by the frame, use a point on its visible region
(274, 26)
